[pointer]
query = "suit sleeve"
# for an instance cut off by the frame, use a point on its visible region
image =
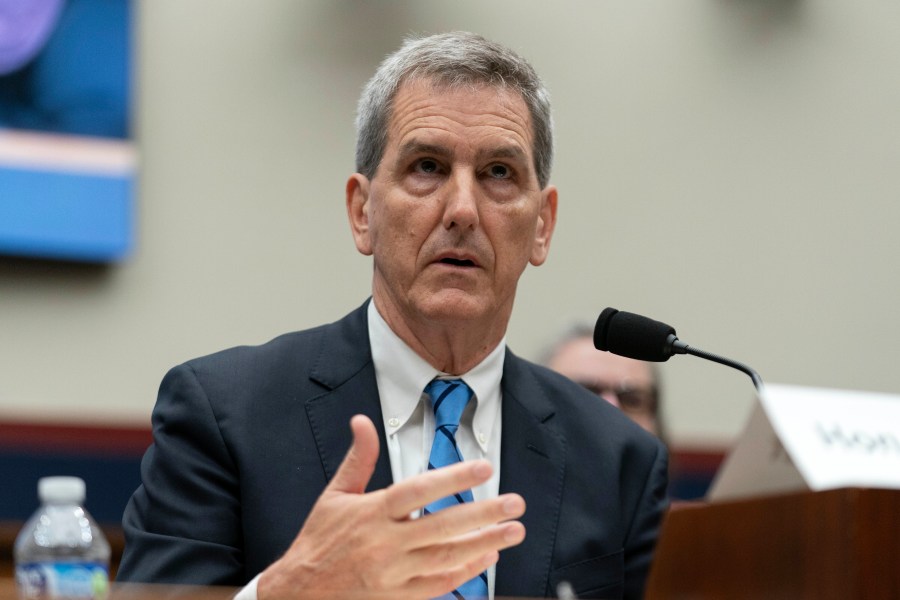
(644, 528)
(182, 525)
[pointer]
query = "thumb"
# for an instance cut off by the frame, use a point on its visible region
(357, 467)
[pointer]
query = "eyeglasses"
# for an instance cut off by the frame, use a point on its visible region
(631, 399)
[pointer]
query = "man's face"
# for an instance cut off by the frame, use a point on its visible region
(454, 212)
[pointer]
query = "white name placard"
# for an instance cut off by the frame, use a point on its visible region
(816, 439)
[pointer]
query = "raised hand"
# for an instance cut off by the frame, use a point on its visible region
(360, 545)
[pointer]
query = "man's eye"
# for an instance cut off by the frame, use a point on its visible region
(426, 165)
(499, 171)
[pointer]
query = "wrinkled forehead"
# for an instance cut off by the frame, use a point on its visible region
(504, 96)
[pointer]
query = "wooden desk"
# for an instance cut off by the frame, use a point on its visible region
(120, 591)
(832, 545)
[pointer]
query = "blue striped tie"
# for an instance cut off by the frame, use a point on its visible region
(448, 398)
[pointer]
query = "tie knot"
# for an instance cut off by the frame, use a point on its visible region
(448, 398)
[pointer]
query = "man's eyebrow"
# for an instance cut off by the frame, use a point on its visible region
(414, 147)
(514, 152)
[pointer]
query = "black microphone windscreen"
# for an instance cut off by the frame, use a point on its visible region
(634, 336)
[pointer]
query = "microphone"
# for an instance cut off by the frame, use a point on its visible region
(643, 338)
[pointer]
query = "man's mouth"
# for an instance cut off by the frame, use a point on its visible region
(457, 262)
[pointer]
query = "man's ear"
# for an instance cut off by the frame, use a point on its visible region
(358, 212)
(546, 223)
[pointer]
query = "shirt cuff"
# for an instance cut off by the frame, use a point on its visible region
(248, 592)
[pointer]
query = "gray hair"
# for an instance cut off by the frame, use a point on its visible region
(454, 60)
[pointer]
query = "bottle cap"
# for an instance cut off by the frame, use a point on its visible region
(61, 490)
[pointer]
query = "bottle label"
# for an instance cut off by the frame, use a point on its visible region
(76, 580)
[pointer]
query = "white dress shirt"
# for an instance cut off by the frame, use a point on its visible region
(401, 376)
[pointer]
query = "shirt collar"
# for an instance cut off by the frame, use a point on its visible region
(402, 375)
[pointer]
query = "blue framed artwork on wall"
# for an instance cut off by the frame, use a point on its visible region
(67, 160)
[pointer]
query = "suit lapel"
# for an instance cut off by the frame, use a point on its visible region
(532, 463)
(345, 370)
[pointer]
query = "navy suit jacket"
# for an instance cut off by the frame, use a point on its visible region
(246, 439)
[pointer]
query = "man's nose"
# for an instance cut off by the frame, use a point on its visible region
(461, 208)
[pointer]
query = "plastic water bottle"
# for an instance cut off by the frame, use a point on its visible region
(61, 552)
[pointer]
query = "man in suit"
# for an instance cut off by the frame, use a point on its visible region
(452, 201)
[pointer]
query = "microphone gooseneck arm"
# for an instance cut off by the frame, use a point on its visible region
(642, 338)
(679, 347)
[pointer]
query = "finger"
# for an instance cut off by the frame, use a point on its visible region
(417, 491)
(448, 580)
(464, 549)
(357, 467)
(451, 522)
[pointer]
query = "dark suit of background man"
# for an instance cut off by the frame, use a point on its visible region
(251, 445)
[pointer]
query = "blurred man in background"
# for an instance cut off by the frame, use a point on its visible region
(631, 385)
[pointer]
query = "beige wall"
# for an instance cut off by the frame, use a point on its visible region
(730, 167)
